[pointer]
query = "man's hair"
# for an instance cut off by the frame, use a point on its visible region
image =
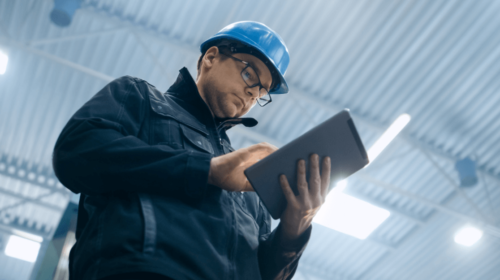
(199, 65)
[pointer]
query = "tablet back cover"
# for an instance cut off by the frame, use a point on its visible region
(336, 137)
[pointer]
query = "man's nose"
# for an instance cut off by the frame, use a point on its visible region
(253, 92)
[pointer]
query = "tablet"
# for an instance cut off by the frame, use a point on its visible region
(336, 137)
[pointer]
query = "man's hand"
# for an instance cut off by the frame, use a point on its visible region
(301, 209)
(226, 171)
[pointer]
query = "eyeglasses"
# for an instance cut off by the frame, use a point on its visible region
(250, 77)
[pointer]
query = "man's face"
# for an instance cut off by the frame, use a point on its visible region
(222, 86)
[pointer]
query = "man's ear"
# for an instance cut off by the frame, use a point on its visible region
(210, 56)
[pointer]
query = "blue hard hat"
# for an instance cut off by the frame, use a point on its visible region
(269, 45)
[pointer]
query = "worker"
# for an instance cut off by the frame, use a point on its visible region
(163, 193)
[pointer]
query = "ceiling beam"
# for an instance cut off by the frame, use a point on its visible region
(388, 257)
(152, 34)
(22, 46)
(10, 227)
(308, 269)
(25, 199)
(153, 57)
(491, 229)
(456, 187)
(38, 175)
(74, 37)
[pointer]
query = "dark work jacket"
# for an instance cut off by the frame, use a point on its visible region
(140, 159)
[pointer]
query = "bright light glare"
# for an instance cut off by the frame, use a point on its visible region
(340, 186)
(4, 59)
(21, 248)
(388, 136)
(468, 236)
(349, 215)
(26, 235)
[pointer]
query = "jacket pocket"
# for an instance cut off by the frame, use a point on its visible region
(121, 226)
(193, 139)
(174, 126)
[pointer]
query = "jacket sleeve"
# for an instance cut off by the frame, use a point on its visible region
(278, 259)
(99, 152)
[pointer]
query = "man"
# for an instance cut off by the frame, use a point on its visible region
(163, 194)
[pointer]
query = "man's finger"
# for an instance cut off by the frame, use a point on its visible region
(325, 175)
(314, 177)
(248, 156)
(301, 177)
(262, 149)
(287, 191)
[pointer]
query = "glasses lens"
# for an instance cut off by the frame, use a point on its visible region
(264, 95)
(249, 76)
(252, 80)
(264, 98)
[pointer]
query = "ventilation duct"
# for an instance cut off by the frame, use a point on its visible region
(467, 172)
(63, 11)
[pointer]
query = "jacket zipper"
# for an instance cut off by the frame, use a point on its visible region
(232, 240)
(232, 234)
(232, 214)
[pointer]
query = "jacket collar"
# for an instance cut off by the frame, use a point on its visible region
(185, 90)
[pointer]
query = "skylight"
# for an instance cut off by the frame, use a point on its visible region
(388, 136)
(350, 215)
(468, 236)
(22, 248)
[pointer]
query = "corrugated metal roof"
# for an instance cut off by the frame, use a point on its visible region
(435, 60)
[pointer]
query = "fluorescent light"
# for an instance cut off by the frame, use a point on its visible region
(350, 215)
(22, 248)
(468, 236)
(340, 186)
(26, 235)
(4, 59)
(388, 136)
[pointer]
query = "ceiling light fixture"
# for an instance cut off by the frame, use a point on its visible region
(26, 235)
(388, 136)
(468, 236)
(350, 215)
(22, 248)
(4, 60)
